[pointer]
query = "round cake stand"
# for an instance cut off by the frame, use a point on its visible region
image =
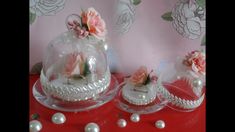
(124, 105)
(61, 105)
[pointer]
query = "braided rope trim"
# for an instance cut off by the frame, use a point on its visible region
(177, 101)
(75, 93)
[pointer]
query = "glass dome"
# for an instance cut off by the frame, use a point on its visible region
(138, 93)
(74, 69)
(75, 75)
(181, 87)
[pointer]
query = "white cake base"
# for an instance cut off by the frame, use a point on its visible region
(139, 96)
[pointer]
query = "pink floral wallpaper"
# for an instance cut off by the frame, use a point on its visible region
(138, 34)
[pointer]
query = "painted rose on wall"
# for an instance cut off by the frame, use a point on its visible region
(188, 18)
(125, 13)
(45, 7)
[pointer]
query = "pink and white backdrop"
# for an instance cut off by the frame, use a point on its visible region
(145, 39)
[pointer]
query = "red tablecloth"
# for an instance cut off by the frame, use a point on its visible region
(107, 115)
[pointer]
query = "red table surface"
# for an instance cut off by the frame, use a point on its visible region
(107, 115)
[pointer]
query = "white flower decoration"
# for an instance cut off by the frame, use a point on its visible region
(46, 7)
(188, 19)
(125, 16)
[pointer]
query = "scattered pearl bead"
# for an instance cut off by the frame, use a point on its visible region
(197, 83)
(135, 118)
(121, 123)
(58, 118)
(35, 126)
(92, 127)
(160, 124)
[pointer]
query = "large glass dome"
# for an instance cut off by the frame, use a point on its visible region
(74, 69)
(75, 75)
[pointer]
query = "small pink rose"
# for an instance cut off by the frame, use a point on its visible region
(139, 77)
(96, 25)
(74, 64)
(196, 61)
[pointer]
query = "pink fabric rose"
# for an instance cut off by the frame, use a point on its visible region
(139, 77)
(74, 64)
(196, 61)
(95, 24)
(79, 31)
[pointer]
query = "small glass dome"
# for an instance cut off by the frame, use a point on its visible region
(69, 57)
(181, 87)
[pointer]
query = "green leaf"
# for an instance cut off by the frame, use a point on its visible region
(35, 116)
(203, 42)
(167, 16)
(86, 69)
(136, 2)
(148, 80)
(32, 17)
(201, 3)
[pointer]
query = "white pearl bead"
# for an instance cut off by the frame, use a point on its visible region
(178, 77)
(35, 126)
(135, 118)
(121, 123)
(105, 47)
(58, 118)
(142, 96)
(160, 124)
(197, 83)
(92, 127)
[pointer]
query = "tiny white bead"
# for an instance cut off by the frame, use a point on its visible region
(197, 83)
(160, 124)
(121, 123)
(142, 96)
(135, 118)
(178, 77)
